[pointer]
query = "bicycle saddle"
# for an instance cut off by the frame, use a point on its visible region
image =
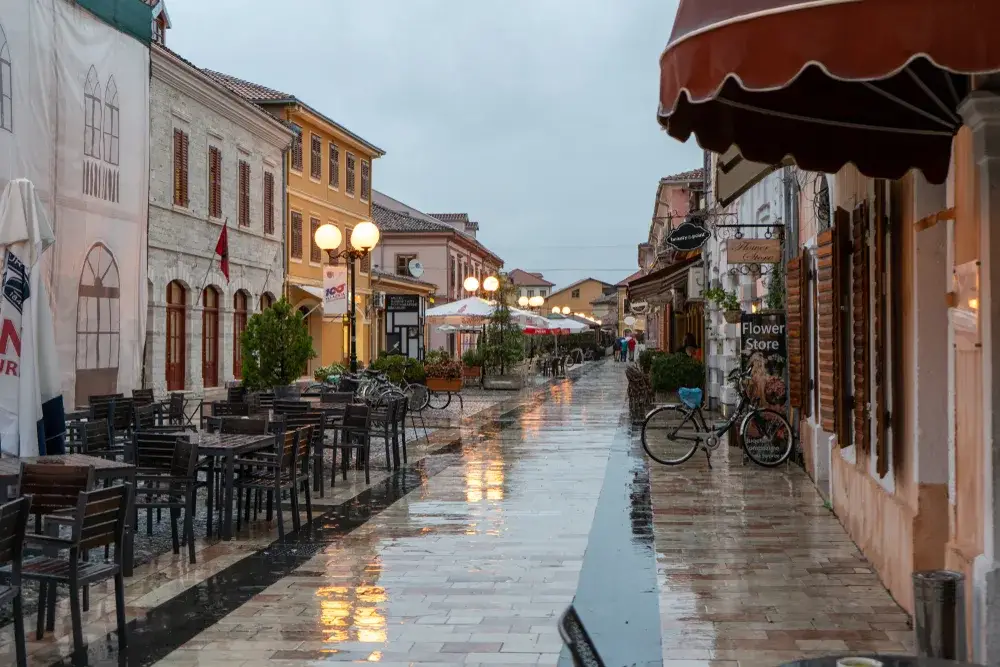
(690, 396)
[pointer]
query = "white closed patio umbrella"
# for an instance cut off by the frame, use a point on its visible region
(32, 420)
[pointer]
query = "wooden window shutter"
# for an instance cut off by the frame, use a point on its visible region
(268, 202)
(315, 254)
(349, 187)
(180, 168)
(826, 329)
(334, 166)
(297, 151)
(214, 182)
(244, 204)
(296, 235)
(366, 263)
(366, 180)
(315, 157)
(796, 286)
(881, 348)
(861, 311)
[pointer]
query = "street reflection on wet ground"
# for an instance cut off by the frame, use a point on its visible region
(754, 570)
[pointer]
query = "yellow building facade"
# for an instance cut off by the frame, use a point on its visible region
(578, 296)
(328, 179)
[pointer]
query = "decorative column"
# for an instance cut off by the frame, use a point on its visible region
(981, 113)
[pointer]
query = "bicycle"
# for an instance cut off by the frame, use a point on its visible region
(766, 435)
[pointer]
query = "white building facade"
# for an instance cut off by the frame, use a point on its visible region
(216, 162)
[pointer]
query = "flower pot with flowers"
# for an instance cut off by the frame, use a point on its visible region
(444, 374)
(727, 302)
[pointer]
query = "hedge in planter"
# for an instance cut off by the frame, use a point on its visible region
(646, 358)
(398, 368)
(670, 372)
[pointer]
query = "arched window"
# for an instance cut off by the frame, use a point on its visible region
(210, 337)
(239, 326)
(97, 324)
(111, 122)
(92, 115)
(6, 86)
(176, 346)
(266, 300)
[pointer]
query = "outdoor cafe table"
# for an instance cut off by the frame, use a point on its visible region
(104, 470)
(227, 447)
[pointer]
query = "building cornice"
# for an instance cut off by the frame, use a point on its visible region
(325, 204)
(190, 81)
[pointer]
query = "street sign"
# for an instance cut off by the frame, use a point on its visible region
(753, 251)
(688, 236)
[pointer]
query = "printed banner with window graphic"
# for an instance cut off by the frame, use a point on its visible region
(334, 290)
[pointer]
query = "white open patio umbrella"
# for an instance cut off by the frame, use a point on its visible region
(474, 311)
(32, 420)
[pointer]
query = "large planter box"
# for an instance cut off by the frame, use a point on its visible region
(474, 372)
(444, 384)
(505, 382)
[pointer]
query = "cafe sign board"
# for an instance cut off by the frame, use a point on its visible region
(753, 251)
(402, 303)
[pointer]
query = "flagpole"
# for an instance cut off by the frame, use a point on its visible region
(267, 276)
(211, 263)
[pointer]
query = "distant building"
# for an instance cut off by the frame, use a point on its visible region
(578, 296)
(529, 284)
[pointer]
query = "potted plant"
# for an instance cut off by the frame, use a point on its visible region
(276, 349)
(727, 301)
(472, 364)
(443, 374)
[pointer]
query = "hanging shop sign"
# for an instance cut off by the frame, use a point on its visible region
(688, 236)
(334, 290)
(402, 303)
(764, 354)
(753, 251)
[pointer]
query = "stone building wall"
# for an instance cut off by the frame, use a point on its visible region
(182, 240)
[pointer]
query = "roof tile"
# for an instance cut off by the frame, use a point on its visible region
(519, 277)
(251, 91)
(686, 176)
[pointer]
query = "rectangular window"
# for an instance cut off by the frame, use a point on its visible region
(316, 157)
(541, 292)
(531, 293)
(334, 166)
(575, 294)
(181, 168)
(366, 180)
(315, 254)
(403, 264)
(268, 202)
(350, 173)
(296, 235)
(451, 276)
(214, 182)
(297, 148)
(244, 204)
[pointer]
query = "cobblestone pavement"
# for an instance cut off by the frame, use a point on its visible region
(467, 556)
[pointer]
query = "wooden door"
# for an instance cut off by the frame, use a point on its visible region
(210, 337)
(176, 349)
(239, 326)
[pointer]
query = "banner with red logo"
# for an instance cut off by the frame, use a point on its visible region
(334, 290)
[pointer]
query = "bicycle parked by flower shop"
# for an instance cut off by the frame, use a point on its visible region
(671, 434)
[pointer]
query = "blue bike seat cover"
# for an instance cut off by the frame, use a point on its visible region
(690, 396)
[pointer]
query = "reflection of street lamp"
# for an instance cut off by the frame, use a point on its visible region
(363, 239)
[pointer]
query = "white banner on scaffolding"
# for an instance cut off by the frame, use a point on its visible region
(74, 120)
(334, 291)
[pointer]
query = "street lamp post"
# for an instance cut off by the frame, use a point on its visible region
(363, 239)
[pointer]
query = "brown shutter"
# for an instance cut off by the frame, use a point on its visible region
(297, 152)
(296, 235)
(795, 287)
(244, 205)
(268, 202)
(181, 168)
(366, 263)
(315, 157)
(334, 166)
(881, 338)
(214, 182)
(861, 309)
(826, 330)
(315, 255)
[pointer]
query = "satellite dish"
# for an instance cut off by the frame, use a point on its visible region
(416, 268)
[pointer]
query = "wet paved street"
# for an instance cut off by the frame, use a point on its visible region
(469, 555)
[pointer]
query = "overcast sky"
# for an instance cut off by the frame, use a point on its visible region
(537, 117)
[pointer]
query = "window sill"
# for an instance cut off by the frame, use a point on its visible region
(182, 209)
(335, 188)
(295, 260)
(315, 180)
(217, 221)
(293, 170)
(365, 200)
(349, 194)
(315, 264)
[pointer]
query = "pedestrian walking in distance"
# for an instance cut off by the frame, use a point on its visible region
(631, 348)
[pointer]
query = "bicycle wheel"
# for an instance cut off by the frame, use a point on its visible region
(767, 437)
(418, 396)
(670, 435)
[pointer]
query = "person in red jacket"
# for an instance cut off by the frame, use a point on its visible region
(631, 348)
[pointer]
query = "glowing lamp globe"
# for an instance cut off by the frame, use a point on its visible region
(565, 310)
(523, 302)
(555, 310)
(491, 284)
(471, 284)
(365, 236)
(536, 301)
(328, 237)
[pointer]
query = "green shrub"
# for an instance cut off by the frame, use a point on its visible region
(434, 356)
(472, 358)
(324, 372)
(670, 372)
(398, 368)
(276, 347)
(646, 358)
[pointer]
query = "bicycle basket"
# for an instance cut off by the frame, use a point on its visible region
(690, 396)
